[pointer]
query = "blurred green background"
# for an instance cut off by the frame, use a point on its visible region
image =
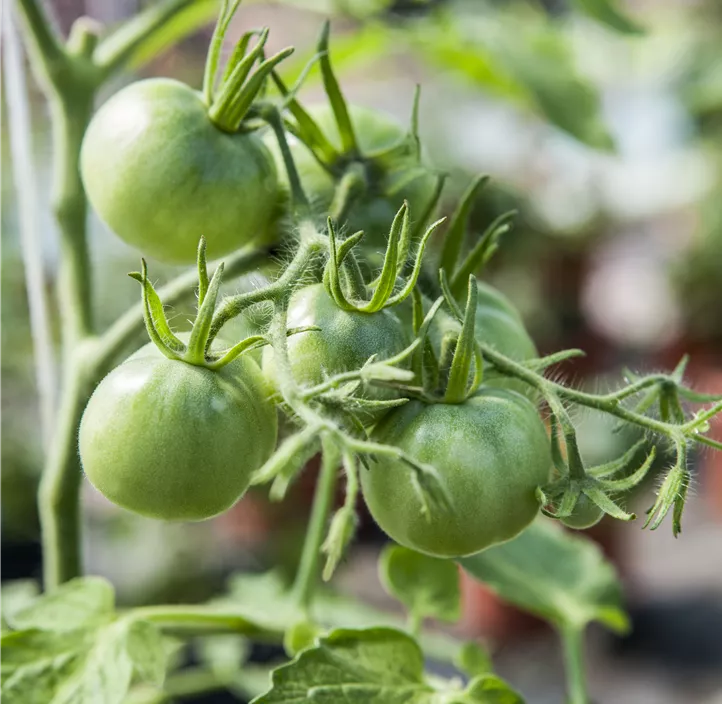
(609, 144)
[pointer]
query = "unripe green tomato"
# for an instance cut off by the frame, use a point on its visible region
(491, 453)
(345, 341)
(585, 514)
(174, 441)
(160, 174)
(375, 212)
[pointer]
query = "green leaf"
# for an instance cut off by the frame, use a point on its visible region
(147, 652)
(608, 13)
(92, 665)
(262, 599)
(490, 689)
(79, 603)
(520, 56)
(473, 660)
(34, 647)
(375, 664)
(427, 586)
(182, 24)
(104, 675)
(14, 597)
(560, 577)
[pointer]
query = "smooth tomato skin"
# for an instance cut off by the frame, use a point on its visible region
(375, 212)
(173, 441)
(345, 341)
(586, 514)
(160, 174)
(491, 453)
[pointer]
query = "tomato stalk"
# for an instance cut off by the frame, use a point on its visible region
(70, 75)
(573, 643)
(308, 573)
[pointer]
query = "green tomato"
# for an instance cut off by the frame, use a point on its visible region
(585, 514)
(160, 174)
(174, 441)
(345, 341)
(375, 212)
(491, 453)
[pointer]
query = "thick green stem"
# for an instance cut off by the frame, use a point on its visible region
(71, 114)
(309, 572)
(58, 497)
(573, 643)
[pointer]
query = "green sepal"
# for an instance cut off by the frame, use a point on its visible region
(465, 353)
(250, 343)
(306, 128)
(413, 277)
(482, 251)
(346, 132)
(408, 147)
(155, 321)
(344, 522)
(290, 457)
(241, 103)
(202, 271)
(239, 52)
(221, 110)
(454, 237)
(214, 50)
(424, 362)
(200, 333)
(672, 493)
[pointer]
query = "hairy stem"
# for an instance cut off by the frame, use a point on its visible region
(70, 116)
(606, 404)
(309, 572)
(233, 306)
(573, 643)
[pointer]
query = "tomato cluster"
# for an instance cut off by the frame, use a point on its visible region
(175, 436)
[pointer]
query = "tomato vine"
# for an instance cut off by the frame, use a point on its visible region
(422, 416)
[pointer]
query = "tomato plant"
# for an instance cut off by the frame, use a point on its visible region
(409, 377)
